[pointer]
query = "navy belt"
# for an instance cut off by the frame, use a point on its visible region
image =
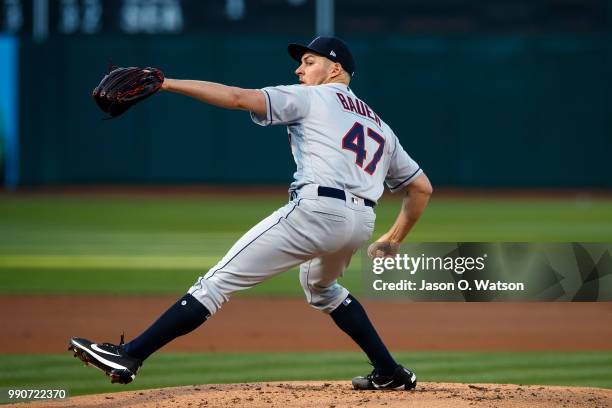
(340, 194)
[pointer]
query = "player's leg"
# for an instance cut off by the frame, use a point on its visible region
(318, 278)
(319, 281)
(121, 362)
(351, 317)
(281, 241)
(264, 251)
(269, 248)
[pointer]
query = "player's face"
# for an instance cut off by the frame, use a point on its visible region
(314, 69)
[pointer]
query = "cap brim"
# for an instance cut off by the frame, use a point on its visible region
(296, 51)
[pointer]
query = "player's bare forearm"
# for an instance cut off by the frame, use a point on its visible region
(413, 205)
(223, 96)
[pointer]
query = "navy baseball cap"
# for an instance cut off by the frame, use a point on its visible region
(331, 48)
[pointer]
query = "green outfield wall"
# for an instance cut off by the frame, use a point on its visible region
(507, 111)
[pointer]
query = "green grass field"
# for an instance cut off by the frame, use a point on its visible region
(161, 245)
(49, 244)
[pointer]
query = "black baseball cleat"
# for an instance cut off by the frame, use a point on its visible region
(110, 358)
(402, 378)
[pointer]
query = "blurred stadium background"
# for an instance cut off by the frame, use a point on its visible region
(483, 93)
(505, 104)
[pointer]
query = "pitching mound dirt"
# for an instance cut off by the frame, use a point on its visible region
(340, 394)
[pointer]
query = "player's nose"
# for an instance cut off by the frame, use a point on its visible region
(299, 71)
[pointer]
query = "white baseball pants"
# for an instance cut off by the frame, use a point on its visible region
(320, 234)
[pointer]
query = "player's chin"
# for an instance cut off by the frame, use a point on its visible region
(307, 82)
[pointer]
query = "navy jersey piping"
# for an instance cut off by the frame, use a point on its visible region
(411, 176)
(269, 105)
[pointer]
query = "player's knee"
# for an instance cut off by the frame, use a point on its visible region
(327, 299)
(321, 305)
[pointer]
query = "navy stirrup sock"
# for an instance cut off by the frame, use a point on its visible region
(353, 320)
(181, 318)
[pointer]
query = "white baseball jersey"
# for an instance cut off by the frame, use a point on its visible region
(337, 140)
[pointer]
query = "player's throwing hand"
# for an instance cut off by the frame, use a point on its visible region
(383, 249)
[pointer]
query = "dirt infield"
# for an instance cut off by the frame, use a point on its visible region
(45, 323)
(340, 394)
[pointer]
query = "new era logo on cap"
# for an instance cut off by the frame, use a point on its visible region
(332, 53)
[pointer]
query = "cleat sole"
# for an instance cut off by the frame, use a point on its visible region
(116, 376)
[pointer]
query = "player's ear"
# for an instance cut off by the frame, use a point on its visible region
(335, 69)
(338, 68)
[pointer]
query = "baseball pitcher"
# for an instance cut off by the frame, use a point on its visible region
(344, 154)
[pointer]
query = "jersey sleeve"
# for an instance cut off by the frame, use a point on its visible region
(285, 104)
(402, 170)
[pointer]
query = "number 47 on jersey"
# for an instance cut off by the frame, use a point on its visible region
(354, 140)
